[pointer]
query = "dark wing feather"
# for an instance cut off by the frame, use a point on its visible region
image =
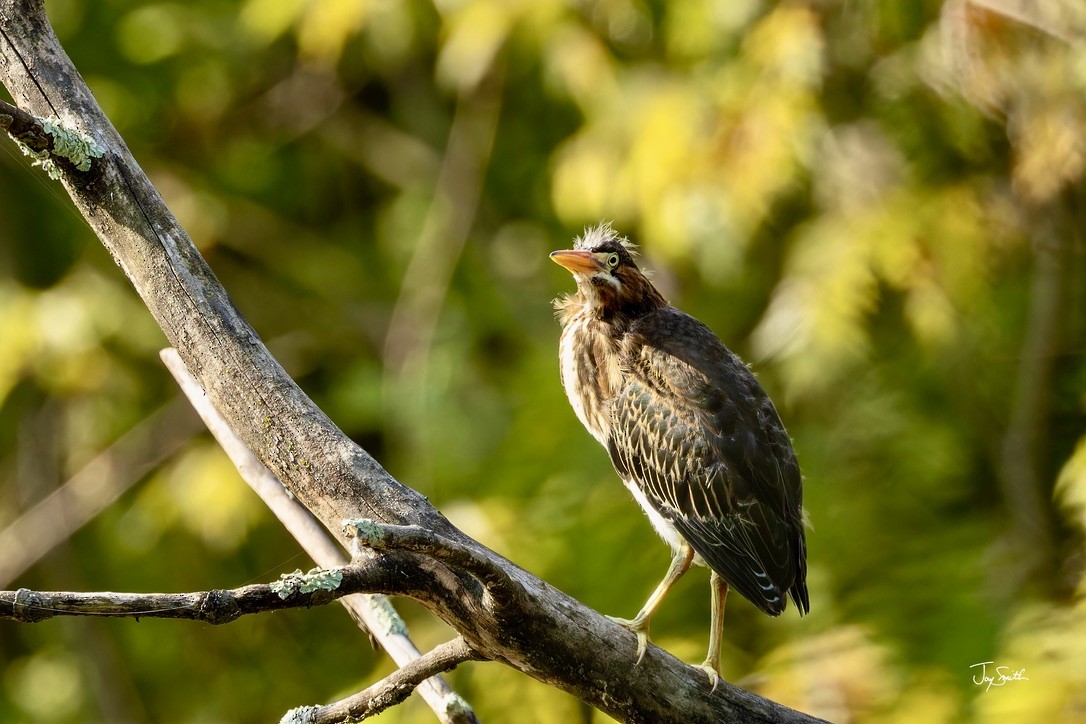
(696, 432)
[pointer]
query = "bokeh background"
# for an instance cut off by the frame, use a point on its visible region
(878, 203)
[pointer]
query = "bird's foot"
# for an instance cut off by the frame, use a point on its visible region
(710, 669)
(640, 628)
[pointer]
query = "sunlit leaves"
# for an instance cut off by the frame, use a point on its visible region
(475, 33)
(327, 25)
(152, 32)
(1071, 487)
(1051, 149)
(57, 337)
(48, 685)
(578, 64)
(928, 247)
(695, 159)
(845, 671)
(321, 28)
(1026, 63)
(697, 30)
(268, 19)
(200, 491)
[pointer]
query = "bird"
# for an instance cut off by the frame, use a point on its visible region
(690, 431)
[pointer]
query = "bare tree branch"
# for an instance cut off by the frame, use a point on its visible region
(468, 559)
(389, 691)
(218, 606)
(373, 612)
(24, 128)
(536, 629)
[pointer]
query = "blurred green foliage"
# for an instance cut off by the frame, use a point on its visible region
(879, 204)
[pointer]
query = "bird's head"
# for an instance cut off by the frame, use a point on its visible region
(609, 281)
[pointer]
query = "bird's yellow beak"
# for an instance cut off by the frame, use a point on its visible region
(578, 262)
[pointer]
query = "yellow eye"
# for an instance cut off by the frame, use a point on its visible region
(612, 261)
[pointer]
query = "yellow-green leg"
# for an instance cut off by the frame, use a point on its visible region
(639, 624)
(716, 632)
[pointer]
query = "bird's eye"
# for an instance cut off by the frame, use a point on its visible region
(612, 261)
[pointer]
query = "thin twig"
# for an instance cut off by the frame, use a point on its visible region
(391, 690)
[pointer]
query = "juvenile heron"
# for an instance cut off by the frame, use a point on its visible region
(690, 431)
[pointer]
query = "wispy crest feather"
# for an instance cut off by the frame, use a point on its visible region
(593, 236)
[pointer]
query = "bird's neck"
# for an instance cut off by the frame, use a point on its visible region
(617, 316)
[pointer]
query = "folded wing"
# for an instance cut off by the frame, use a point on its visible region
(693, 429)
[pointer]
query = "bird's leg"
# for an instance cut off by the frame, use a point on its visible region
(712, 659)
(639, 624)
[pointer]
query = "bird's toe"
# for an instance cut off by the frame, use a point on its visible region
(710, 670)
(640, 628)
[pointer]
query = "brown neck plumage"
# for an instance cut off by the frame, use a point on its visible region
(620, 304)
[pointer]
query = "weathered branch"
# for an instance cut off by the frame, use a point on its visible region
(47, 141)
(465, 558)
(538, 629)
(293, 590)
(373, 612)
(24, 128)
(389, 691)
(215, 607)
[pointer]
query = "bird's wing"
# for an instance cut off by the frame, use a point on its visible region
(694, 430)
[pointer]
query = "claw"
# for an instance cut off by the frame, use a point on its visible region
(642, 645)
(641, 629)
(710, 670)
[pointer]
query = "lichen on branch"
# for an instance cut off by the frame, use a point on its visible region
(316, 579)
(45, 139)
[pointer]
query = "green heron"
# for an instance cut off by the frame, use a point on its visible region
(689, 430)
